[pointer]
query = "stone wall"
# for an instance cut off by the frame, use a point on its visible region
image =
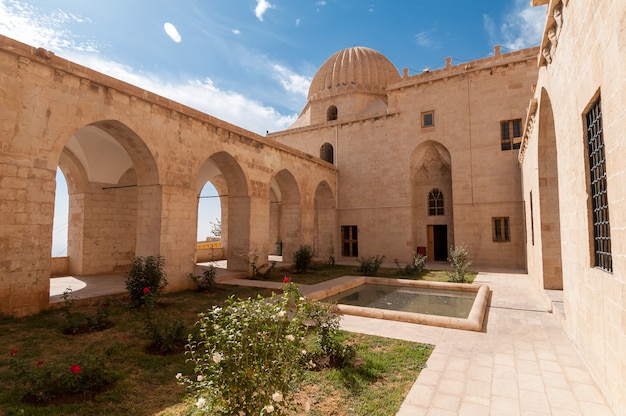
(584, 61)
(387, 162)
(133, 163)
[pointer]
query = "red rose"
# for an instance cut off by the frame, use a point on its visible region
(39, 363)
(146, 290)
(286, 279)
(13, 352)
(75, 368)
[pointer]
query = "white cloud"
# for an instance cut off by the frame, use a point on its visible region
(172, 32)
(261, 7)
(29, 25)
(522, 26)
(291, 81)
(298, 22)
(236, 31)
(423, 39)
(320, 3)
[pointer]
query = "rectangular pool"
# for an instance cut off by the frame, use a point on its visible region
(449, 305)
(443, 302)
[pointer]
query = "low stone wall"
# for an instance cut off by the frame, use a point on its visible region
(209, 254)
(60, 266)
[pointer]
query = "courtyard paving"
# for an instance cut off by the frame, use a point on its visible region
(522, 364)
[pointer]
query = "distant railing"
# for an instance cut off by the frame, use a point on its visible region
(212, 244)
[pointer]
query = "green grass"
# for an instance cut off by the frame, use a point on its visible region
(146, 385)
(322, 272)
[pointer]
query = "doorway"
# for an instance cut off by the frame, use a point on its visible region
(438, 242)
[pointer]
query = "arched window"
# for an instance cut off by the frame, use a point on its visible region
(435, 202)
(331, 114)
(327, 153)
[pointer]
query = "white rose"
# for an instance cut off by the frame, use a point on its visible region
(217, 357)
(290, 337)
(201, 403)
(277, 397)
(200, 378)
(179, 376)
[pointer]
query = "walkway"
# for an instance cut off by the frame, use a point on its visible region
(523, 365)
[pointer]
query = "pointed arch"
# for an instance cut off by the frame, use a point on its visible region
(431, 170)
(549, 197)
(286, 211)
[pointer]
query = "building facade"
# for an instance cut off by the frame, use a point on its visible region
(574, 180)
(424, 162)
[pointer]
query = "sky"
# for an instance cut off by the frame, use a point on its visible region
(250, 62)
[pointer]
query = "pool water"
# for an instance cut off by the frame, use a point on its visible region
(442, 302)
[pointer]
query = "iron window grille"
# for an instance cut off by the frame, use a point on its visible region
(598, 189)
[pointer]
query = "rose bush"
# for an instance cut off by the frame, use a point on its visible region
(249, 355)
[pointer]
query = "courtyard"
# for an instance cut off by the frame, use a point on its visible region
(522, 363)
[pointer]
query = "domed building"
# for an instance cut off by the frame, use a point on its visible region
(424, 161)
(348, 74)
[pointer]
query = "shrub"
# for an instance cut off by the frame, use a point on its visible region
(145, 272)
(166, 331)
(370, 265)
(207, 280)
(42, 381)
(78, 323)
(249, 355)
(331, 249)
(415, 267)
(460, 263)
(260, 272)
(302, 258)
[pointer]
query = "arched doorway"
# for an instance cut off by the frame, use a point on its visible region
(431, 200)
(114, 198)
(549, 197)
(225, 174)
(324, 238)
(285, 212)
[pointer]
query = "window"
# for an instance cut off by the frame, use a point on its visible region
(597, 181)
(500, 226)
(326, 152)
(532, 220)
(428, 119)
(349, 241)
(331, 113)
(511, 134)
(435, 202)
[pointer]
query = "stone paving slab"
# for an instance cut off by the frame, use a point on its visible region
(522, 365)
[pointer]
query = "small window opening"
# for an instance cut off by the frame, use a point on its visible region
(331, 114)
(327, 153)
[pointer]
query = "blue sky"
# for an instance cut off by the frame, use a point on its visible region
(250, 62)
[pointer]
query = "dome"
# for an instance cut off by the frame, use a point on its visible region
(357, 68)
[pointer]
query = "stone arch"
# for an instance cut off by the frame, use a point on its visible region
(431, 167)
(286, 212)
(114, 198)
(325, 218)
(225, 173)
(549, 196)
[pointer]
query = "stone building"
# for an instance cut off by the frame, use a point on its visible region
(135, 164)
(424, 162)
(574, 180)
(518, 156)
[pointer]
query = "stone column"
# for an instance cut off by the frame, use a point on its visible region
(26, 215)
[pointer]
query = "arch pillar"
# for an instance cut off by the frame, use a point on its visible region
(27, 195)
